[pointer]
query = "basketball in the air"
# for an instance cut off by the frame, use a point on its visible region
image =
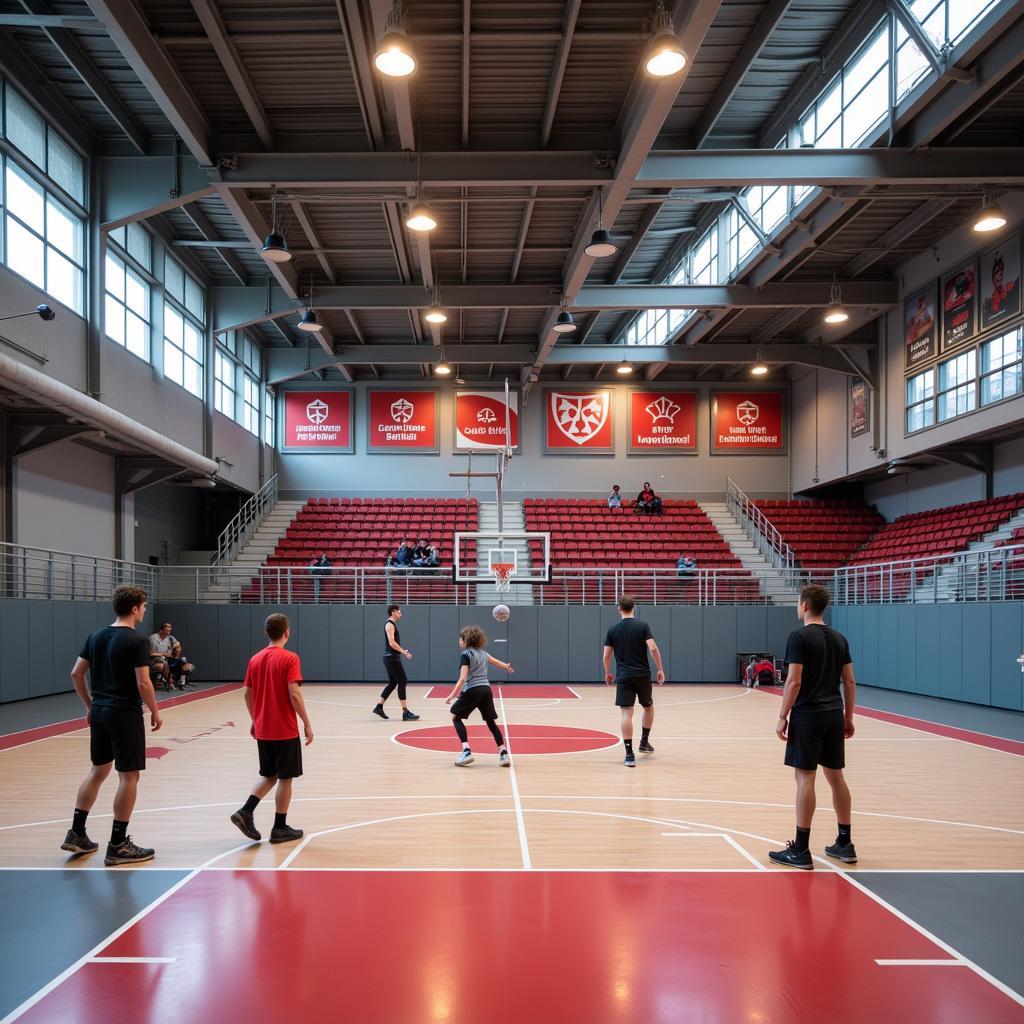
(501, 613)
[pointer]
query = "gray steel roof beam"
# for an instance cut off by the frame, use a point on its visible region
(206, 229)
(572, 11)
(895, 236)
(465, 70)
(49, 21)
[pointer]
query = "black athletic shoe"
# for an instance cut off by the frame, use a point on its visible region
(630, 761)
(242, 820)
(409, 716)
(78, 842)
(285, 834)
(792, 858)
(846, 852)
(379, 712)
(126, 853)
(645, 747)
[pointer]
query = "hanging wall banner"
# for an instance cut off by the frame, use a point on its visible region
(920, 326)
(860, 407)
(959, 305)
(747, 421)
(402, 421)
(317, 421)
(999, 282)
(578, 421)
(480, 420)
(662, 421)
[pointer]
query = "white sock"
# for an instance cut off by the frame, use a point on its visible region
(465, 746)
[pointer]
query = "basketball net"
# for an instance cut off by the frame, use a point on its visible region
(502, 576)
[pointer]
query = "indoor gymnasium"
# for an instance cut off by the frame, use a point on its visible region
(512, 511)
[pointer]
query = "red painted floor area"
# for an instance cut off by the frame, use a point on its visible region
(504, 948)
(523, 739)
(513, 691)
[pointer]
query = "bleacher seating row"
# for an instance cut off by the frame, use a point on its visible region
(822, 534)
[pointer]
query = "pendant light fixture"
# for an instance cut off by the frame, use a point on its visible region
(834, 312)
(275, 248)
(991, 217)
(443, 368)
(624, 369)
(565, 323)
(421, 217)
(435, 314)
(665, 55)
(600, 244)
(759, 369)
(309, 321)
(394, 56)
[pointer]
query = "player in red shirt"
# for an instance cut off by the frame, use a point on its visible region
(273, 700)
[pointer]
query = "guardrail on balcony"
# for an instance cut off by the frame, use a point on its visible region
(759, 529)
(39, 573)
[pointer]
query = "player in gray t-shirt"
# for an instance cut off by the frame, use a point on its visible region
(473, 691)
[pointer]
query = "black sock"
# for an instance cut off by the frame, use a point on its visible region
(118, 833)
(250, 803)
(645, 735)
(629, 746)
(844, 834)
(803, 840)
(78, 824)
(280, 820)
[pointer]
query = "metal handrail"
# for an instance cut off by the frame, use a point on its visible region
(759, 528)
(245, 523)
(31, 572)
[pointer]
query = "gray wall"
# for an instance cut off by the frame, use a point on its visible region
(962, 652)
(533, 473)
(169, 521)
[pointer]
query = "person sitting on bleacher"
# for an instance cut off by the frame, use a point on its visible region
(615, 499)
(403, 558)
(686, 566)
(425, 555)
(179, 668)
(160, 644)
(648, 502)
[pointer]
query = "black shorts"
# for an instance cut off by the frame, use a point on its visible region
(280, 759)
(476, 698)
(629, 691)
(396, 670)
(816, 737)
(118, 735)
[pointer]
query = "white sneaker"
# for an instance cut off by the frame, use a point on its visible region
(503, 759)
(466, 757)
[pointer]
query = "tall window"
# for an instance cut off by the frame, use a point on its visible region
(705, 258)
(957, 385)
(1001, 367)
(742, 240)
(268, 418)
(184, 328)
(920, 401)
(250, 386)
(127, 265)
(224, 384)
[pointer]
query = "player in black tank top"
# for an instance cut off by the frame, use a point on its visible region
(393, 654)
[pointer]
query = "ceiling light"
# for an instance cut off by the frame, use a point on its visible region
(600, 243)
(565, 323)
(665, 56)
(421, 218)
(758, 369)
(443, 369)
(834, 312)
(395, 58)
(309, 321)
(624, 368)
(991, 217)
(435, 314)
(275, 247)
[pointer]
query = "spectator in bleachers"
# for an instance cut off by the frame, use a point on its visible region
(647, 502)
(425, 555)
(404, 557)
(615, 499)
(160, 644)
(320, 566)
(686, 566)
(179, 668)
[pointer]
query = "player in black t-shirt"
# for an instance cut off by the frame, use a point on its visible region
(630, 640)
(394, 652)
(815, 720)
(111, 676)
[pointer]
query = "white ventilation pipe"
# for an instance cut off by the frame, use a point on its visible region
(24, 380)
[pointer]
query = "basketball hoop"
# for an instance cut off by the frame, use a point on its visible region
(503, 576)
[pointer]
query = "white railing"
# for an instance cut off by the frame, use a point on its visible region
(248, 520)
(758, 528)
(39, 573)
(995, 574)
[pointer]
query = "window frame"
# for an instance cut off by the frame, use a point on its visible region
(189, 319)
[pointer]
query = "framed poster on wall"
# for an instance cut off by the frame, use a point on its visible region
(920, 325)
(480, 420)
(402, 420)
(743, 422)
(317, 420)
(999, 282)
(662, 421)
(959, 305)
(578, 421)
(860, 407)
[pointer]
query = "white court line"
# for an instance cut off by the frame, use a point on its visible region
(721, 835)
(524, 847)
(921, 963)
(575, 693)
(133, 960)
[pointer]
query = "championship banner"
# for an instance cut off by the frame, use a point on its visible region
(999, 282)
(860, 407)
(402, 421)
(959, 305)
(662, 421)
(747, 421)
(920, 326)
(317, 421)
(578, 421)
(480, 420)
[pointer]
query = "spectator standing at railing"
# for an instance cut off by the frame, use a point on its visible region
(648, 502)
(319, 567)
